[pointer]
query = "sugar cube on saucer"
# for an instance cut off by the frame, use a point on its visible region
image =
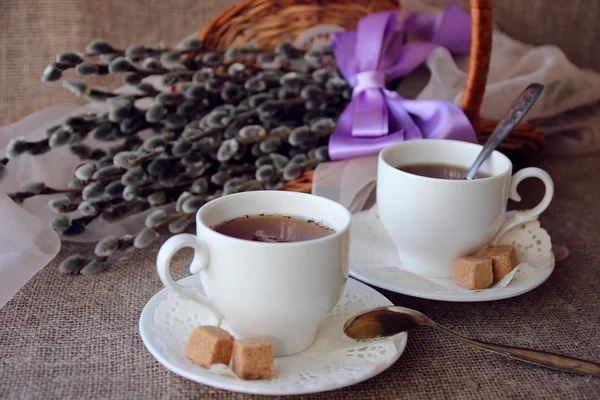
(473, 272)
(253, 358)
(209, 345)
(504, 259)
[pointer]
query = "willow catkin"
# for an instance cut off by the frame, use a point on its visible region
(227, 127)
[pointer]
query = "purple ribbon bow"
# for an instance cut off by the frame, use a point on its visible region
(376, 53)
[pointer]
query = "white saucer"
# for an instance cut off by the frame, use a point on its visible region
(373, 259)
(332, 362)
(393, 280)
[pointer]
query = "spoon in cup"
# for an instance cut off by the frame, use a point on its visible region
(388, 321)
(513, 116)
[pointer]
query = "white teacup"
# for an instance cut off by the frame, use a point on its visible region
(434, 221)
(281, 291)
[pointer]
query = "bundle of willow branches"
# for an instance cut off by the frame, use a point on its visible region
(221, 121)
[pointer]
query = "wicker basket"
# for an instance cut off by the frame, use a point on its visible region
(268, 22)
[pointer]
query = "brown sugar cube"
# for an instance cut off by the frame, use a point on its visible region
(209, 345)
(253, 358)
(504, 259)
(473, 272)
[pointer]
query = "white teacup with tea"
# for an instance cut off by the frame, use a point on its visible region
(271, 263)
(434, 219)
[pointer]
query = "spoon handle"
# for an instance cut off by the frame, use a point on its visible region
(544, 359)
(513, 116)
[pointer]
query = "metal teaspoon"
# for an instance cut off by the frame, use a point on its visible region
(387, 321)
(513, 116)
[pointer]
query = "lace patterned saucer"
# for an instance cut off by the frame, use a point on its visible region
(332, 362)
(373, 259)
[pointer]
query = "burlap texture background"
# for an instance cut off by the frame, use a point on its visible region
(32, 32)
(77, 337)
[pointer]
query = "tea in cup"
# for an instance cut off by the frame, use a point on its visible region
(273, 264)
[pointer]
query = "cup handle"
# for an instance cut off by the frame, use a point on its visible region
(527, 215)
(199, 262)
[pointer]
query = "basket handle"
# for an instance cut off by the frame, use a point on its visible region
(479, 59)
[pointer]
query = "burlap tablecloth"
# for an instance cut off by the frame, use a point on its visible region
(77, 337)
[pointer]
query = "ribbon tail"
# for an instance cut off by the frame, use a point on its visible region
(400, 119)
(343, 145)
(370, 114)
(440, 120)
